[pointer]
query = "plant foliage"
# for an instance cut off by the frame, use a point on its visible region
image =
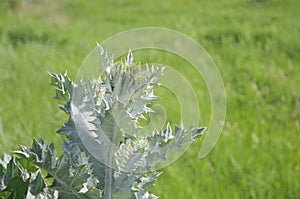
(106, 110)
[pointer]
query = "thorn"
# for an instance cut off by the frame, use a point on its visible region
(129, 59)
(100, 48)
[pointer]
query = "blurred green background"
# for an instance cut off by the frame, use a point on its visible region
(255, 44)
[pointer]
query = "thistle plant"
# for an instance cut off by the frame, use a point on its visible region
(107, 153)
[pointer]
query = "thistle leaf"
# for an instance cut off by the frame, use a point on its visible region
(69, 172)
(14, 179)
(104, 112)
(37, 183)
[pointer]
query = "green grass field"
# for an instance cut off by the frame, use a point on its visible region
(255, 45)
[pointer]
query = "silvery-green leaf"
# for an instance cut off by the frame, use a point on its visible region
(197, 132)
(37, 183)
(145, 195)
(5, 160)
(106, 110)
(167, 133)
(69, 172)
(14, 179)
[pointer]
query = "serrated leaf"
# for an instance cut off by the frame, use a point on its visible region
(146, 183)
(37, 183)
(15, 180)
(134, 87)
(106, 110)
(145, 195)
(197, 132)
(64, 89)
(5, 160)
(69, 173)
(167, 134)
